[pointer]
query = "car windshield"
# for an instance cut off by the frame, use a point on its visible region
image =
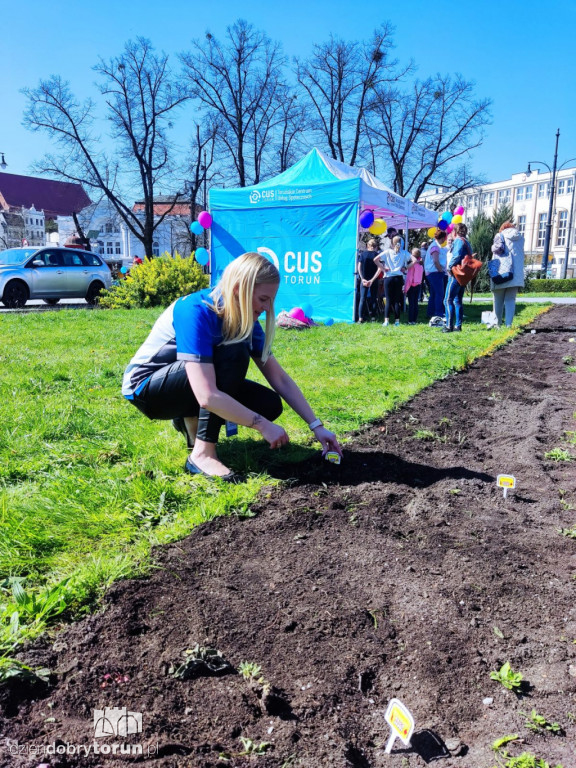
(16, 255)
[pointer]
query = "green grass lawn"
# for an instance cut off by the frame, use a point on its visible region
(88, 485)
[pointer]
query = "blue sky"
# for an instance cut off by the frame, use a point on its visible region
(520, 53)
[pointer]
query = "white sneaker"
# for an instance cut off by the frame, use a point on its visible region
(385, 323)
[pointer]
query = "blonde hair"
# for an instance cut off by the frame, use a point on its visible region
(232, 299)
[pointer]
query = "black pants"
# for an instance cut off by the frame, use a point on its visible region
(394, 295)
(368, 297)
(168, 394)
(412, 296)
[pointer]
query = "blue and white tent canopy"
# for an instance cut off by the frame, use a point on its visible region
(305, 220)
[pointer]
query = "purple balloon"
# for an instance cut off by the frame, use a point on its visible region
(366, 219)
(205, 219)
(443, 224)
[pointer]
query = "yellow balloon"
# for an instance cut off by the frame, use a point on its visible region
(456, 219)
(431, 232)
(378, 227)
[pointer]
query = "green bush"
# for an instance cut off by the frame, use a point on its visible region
(156, 283)
(553, 286)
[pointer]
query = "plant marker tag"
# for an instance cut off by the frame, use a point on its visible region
(401, 723)
(332, 457)
(231, 429)
(505, 482)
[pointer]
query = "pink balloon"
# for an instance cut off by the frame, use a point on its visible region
(205, 219)
(298, 314)
(457, 211)
(450, 228)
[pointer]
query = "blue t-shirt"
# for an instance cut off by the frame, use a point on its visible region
(188, 330)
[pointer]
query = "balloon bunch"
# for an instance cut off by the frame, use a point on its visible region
(447, 221)
(374, 226)
(197, 228)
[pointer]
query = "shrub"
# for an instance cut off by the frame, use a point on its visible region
(553, 286)
(156, 283)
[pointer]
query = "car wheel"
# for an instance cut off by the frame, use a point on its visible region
(51, 302)
(15, 294)
(93, 293)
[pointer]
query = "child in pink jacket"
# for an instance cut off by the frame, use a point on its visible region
(412, 283)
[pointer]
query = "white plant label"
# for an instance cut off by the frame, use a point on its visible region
(401, 723)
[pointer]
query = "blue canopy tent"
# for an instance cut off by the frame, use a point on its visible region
(305, 220)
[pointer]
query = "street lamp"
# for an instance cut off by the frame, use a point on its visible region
(3, 163)
(544, 265)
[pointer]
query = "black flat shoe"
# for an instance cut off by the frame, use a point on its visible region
(180, 426)
(231, 477)
(447, 330)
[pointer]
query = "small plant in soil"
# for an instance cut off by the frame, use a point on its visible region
(558, 454)
(11, 669)
(539, 723)
(428, 435)
(501, 742)
(507, 677)
(249, 748)
(250, 671)
(569, 532)
(199, 660)
(568, 359)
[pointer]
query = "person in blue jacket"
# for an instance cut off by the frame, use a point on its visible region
(454, 291)
(192, 367)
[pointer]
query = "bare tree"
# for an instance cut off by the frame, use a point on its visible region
(141, 96)
(238, 81)
(339, 80)
(426, 134)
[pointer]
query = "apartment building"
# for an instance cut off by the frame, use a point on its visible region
(529, 196)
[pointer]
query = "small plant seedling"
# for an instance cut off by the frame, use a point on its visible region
(199, 660)
(428, 434)
(507, 677)
(537, 723)
(569, 532)
(571, 369)
(250, 747)
(11, 669)
(499, 743)
(558, 454)
(568, 359)
(526, 760)
(250, 671)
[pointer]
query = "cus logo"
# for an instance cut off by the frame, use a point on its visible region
(255, 196)
(296, 267)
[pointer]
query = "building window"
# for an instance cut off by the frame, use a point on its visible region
(490, 198)
(569, 186)
(109, 249)
(504, 197)
(156, 248)
(562, 224)
(542, 218)
(519, 194)
(109, 228)
(544, 190)
(529, 192)
(562, 187)
(118, 249)
(522, 225)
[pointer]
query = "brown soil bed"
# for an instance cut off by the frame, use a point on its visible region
(403, 574)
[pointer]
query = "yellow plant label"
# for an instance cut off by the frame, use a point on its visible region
(506, 481)
(400, 720)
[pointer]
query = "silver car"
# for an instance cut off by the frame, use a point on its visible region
(51, 274)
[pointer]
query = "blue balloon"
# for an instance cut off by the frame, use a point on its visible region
(196, 228)
(329, 321)
(366, 219)
(202, 256)
(124, 270)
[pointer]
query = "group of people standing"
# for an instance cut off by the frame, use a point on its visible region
(392, 272)
(397, 274)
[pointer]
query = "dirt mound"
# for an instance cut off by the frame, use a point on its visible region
(405, 573)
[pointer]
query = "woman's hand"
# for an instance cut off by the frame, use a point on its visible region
(328, 440)
(274, 434)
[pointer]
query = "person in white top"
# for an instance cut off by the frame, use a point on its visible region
(435, 271)
(393, 264)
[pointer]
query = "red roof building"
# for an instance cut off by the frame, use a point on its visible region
(55, 198)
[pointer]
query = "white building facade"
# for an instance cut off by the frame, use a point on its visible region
(529, 196)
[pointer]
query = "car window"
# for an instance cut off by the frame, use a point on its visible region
(91, 260)
(50, 258)
(72, 259)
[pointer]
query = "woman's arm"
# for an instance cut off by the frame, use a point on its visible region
(202, 378)
(287, 388)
